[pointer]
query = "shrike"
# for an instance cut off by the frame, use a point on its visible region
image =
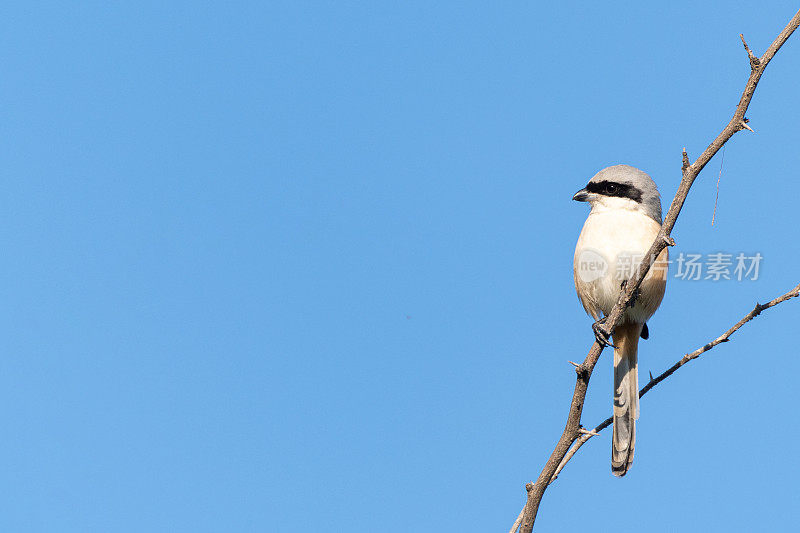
(624, 220)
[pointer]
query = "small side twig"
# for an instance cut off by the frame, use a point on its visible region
(515, 527)
(685, 162)
(754, 61)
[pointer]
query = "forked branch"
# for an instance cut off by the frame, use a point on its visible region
(572, 431)
(725, 337)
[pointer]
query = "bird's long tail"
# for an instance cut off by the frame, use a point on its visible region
(626, 397)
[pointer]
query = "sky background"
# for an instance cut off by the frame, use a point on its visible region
(288, 265)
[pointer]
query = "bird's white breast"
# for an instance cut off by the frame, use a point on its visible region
(610, 246)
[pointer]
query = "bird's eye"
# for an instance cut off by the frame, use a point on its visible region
(611, 188)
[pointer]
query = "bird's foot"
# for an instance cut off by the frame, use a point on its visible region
(600, 333)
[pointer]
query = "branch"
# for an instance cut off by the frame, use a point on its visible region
(725, 337)
(572, 430)
(518, 521)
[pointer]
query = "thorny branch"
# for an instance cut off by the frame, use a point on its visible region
(572, 432)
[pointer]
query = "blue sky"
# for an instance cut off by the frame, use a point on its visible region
(272, 266)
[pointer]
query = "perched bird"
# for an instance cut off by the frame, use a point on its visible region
(624, 220)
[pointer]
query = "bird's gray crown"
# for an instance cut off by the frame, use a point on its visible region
(633, 184)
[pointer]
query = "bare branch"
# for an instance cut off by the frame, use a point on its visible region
(725, 337)
(584, 372)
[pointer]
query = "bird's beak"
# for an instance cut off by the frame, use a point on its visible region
(581, 196)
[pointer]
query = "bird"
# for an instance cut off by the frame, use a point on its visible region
(624, 221)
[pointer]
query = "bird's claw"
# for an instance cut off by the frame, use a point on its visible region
(600, 334)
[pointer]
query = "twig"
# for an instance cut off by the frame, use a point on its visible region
(685, 162)
(584, 371)
(753, 58)
(725, 337)
(515, 527)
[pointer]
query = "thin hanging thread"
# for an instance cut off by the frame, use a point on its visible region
(718, 178)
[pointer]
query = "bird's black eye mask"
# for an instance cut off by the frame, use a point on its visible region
(612, 188)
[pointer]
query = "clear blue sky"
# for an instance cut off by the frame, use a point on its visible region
(289, 265)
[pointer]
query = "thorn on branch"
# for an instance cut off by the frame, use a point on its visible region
(651, 375)
(669, 240)
(578, 368)
(588, 432)
(754, 61)
(685, 165)
(743, 125)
